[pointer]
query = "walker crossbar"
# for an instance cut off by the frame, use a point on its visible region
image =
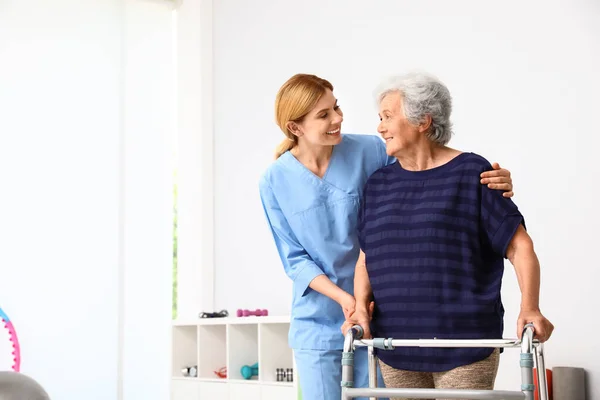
(529, 349)
(434, 393)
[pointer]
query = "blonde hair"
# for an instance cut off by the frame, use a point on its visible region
(294, 100)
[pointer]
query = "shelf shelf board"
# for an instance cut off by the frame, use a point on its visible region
(275, 383)
(225, 380)
(245, 381)
(233, 321)
(213, 380)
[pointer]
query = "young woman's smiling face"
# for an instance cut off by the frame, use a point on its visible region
(322, 125)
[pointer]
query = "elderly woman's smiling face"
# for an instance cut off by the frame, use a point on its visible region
(398, 132)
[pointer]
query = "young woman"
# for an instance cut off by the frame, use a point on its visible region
(311, 196)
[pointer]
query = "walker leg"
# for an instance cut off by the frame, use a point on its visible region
(372, 370)
(347, 371)
(348, 360)
(541, 370)
(527, 386)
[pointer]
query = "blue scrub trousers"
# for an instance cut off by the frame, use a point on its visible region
(320, 373)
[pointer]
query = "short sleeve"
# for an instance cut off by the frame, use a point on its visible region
(298, 265)
(500, 219)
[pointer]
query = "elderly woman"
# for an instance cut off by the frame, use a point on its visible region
(433, 243)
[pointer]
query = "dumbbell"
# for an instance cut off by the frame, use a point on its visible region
(248, 371)
(257, 312)
(190, 371)
(285, 374)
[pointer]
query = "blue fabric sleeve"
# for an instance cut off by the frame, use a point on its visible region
(297, 263)
(500, 219)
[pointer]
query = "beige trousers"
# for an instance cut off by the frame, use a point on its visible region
(477, 376)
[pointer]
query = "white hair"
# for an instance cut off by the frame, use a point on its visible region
(422, 95)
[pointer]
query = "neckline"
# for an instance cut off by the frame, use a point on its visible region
(429, 172)
(308, 171)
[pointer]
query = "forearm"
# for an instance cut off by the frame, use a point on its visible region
(527, 267)
(325, 286)
(362, 285)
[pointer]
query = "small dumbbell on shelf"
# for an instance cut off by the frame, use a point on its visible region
(249, 371)
(257, 313)
(285, 374)
(190, 372)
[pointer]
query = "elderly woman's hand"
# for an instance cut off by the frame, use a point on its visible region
(541, 326)
(498, 179)
(360, 317)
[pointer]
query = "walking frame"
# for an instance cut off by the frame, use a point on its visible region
(529, 347)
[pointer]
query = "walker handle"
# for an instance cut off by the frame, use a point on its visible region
(528, 326)
(358, 331)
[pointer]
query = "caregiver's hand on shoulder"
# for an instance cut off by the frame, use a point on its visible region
(499, 179)
(542, 328)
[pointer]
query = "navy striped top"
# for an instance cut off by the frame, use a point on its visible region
(435, 243)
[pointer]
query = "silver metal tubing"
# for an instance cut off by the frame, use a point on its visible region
(541, 370)
(527, 339)
(528, 346)
(372, 369)
(493, 343)
(353, 333)
(433, 393)
(527, 362)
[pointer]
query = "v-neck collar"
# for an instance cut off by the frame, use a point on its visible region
(308, 171)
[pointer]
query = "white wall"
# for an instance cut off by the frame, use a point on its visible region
(524, 76)
(149, 137)
(85, 209)
(195, 158)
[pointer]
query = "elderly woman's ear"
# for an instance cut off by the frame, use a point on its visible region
(498, 178)
(426, 124)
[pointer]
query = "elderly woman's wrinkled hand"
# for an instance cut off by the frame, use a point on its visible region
(498, 178)
(358, 318)
(541, 326)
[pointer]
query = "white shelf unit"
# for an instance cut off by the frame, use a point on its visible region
(214, 343)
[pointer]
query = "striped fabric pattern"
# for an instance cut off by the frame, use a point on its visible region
(435, 243)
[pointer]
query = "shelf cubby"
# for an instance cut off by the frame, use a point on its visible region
(185, 349)
(274, 351)
(211, 344)
(212, 350)
(243, 349)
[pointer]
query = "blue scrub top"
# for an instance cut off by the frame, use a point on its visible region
(314, 224)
